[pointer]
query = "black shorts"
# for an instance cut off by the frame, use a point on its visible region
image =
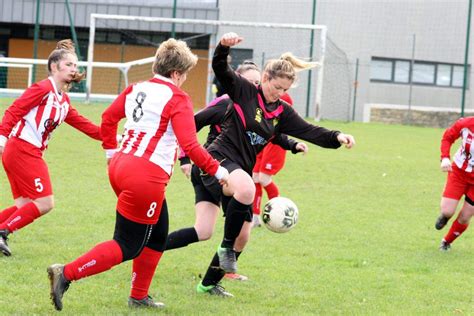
(132, 237)
(207, 187)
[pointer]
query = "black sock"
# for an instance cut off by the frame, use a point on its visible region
(181, 238)
(235, 216)
(214, 274)
(225, 202)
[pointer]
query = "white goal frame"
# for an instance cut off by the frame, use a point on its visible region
(95, 16)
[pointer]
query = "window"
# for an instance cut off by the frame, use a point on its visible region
(400, 71)
(458, 76)
(423, 73)
(443, 76)
(381, 70)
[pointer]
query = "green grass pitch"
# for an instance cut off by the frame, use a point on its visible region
(365, 243)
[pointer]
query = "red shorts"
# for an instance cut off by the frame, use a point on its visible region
(270, 160)
(26, 170)
(140, 187)
(459, 183)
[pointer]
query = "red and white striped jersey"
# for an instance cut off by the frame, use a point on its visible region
(159, 114)
(464, 129)
(38, 111)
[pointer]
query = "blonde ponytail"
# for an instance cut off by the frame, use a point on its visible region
(287, 66)
(299, 64)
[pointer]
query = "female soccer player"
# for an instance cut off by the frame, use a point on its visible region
(25, 131)
(257, 117)
(460, 180)
(159, 115)
(269, 162)
(207, 212)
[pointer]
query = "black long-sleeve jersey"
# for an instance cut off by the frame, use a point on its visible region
(214, 115)
(252, 122)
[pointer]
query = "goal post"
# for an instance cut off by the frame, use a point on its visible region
(262, 41)
(14, 64)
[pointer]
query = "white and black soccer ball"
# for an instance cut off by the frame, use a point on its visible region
(280, 214)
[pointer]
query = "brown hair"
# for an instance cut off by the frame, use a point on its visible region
(63, 48)
(173, 55)
(287, 66)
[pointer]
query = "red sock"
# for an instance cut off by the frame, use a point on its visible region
(144, 267)
(99, 259)
(272, 190)
(6, 213)
(257, 201)
(21, 217)
(455, 231)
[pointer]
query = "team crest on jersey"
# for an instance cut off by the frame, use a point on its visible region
(258, 115)
(50, 125)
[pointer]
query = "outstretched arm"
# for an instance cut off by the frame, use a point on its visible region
(83, 124)
(292, 124)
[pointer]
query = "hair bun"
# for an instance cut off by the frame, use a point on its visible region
(66, 44)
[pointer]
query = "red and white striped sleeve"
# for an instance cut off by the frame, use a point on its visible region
(20, 107)
(182, 120)
(452, 133)
(110, 119)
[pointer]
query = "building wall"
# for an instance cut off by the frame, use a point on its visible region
(53, 12)
(105, 80)
(360, 29)
(383, 28)
(273, 42)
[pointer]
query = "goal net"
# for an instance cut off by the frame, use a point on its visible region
(121, 51)
(132, 40)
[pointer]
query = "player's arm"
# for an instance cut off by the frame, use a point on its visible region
(182, 120)
(292, 124)
(233, 84)
(109, 124)
(450, 135)
(287, 143)
(19, 108)
(83, 124)
(211, 115)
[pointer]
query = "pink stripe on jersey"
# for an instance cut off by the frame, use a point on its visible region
(241, 114)
(269, 115)
(217, 100)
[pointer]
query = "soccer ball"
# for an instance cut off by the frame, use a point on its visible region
(280, 214)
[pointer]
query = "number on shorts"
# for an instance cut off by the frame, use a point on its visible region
(38, 185)
(152, 209)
